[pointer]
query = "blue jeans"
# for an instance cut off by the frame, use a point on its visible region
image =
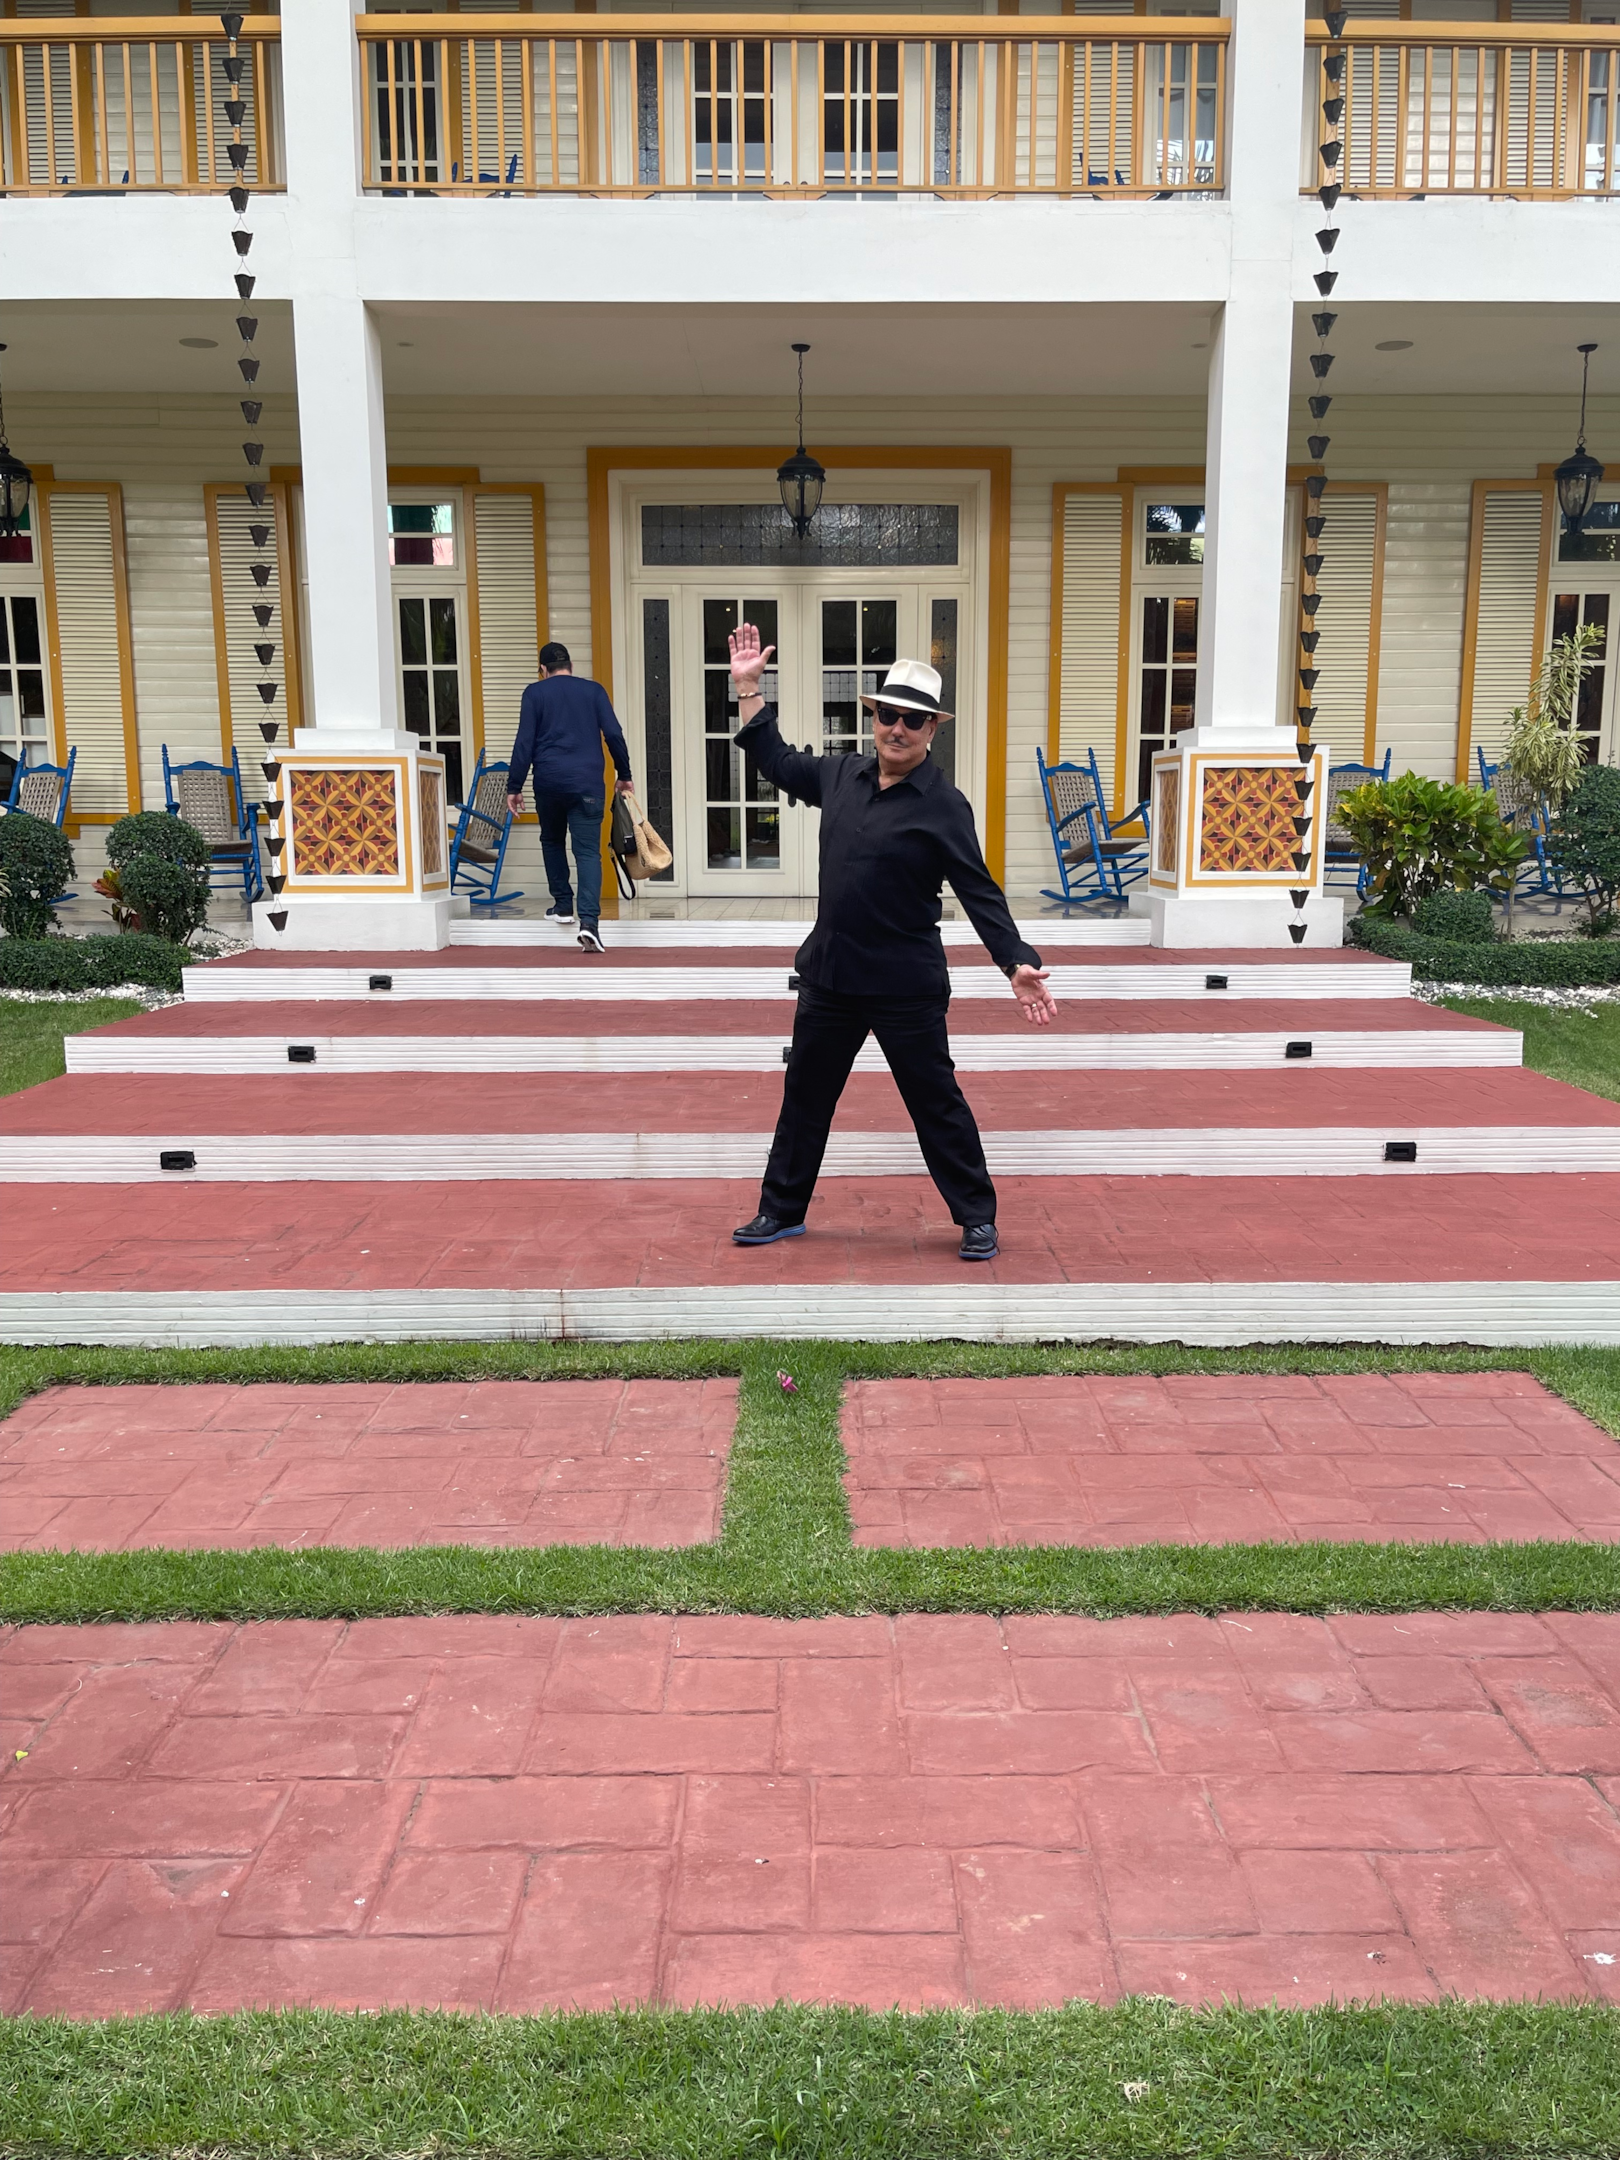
(580, 818)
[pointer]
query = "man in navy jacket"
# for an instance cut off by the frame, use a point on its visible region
(564, 722)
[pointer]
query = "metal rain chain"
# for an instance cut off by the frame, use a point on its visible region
(261, 568)
(1329, 151)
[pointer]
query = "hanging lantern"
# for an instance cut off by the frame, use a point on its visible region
(800, 478)
(1580, 472)
(16, 484)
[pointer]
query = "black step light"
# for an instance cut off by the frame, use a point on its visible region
(380, 982)
(1580, 472)
(1214, 982)
(1400, 1151)
(300, 1053)
(800, 478)
(177, 1158)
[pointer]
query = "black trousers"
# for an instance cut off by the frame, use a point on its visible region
(828, 1032)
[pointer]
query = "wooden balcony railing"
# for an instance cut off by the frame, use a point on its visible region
(793, 106)
(133, 103)
(1481, 109)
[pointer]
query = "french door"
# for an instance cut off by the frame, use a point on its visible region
(833, 646)
(1583, 600)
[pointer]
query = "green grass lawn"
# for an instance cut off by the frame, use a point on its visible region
(1581, 1045)
(1447, 2081)
(31, 1035)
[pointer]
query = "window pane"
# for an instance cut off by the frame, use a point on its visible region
(762, 614)
(719, 718)
(1184, 644)
(1598, 539)
(942, 655)
(451, 753)
(838, 633)
(879, 633)
(719, 620)
(31, 695)
(1566, 614)
(1155, 630)
(447, 701)
(422, 535)
(1183, 689)
(416, 702)
(725, 839)
(1597, 611)
(413, 632)
(25, 621)
(1152, 702)
(442, 623)
(5, 631)
(1175, 533)
(764, 840)
(657, 720)
(719, 771)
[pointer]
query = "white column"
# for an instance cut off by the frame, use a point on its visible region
(1193, 898)
(364, 817)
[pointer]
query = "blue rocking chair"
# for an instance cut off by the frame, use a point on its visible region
(211, 798)
(1530, 816)
(42, 791)
(1094, 860)
(483, 829)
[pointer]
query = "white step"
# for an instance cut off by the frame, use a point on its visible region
(590, 981)
(1183, 1151)
(696, 934)
(1029, 1050)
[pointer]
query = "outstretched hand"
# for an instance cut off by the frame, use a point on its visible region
(748, 660)
(1029, 988)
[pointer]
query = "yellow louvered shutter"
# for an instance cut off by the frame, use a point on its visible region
(506, 537)
(1088, 629)
(1506, 613)
(1346, 694)
(236, 632)
(90, 657)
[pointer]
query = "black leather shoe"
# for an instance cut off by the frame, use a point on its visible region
(765, 1230)
(980, 1242)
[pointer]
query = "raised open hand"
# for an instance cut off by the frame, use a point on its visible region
(748, 659)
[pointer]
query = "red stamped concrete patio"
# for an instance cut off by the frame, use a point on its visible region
(1225, 1458)
(518, 1813)
(614, 1462)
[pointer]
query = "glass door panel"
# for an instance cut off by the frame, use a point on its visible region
(1167, 677)
(860, 642)
(24, 726)
(430, 657)
(1594, 705)
(742, 811)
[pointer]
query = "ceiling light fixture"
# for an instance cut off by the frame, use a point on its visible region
(800, 478)
(1580, 472)
(16, 483)
(200, 344)
(1394, 344)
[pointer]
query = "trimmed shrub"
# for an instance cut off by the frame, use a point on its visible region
(92, 963)
(154, 833)
(1584, 840)
(1421, 836)
(1456, 918)
(169, 899)
(36, 862)
(1552, 966)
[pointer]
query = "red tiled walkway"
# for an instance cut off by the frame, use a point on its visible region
(1219, 1458)
(516, 1813)
(495, 1462)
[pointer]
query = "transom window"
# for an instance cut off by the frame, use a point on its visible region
(1174, 534)
(845, 536)
(20, 547)
(422, 536)
(1598, 539)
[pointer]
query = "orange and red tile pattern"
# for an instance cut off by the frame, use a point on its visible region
(1248, 819)
(344, 821)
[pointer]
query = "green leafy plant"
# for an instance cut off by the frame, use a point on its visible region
(1420, 836)
(169, 899)
(1541, 751)
(89, 963)
(159, 875)
(1562, 964)
(149, 833)
(36, 862)
(1464, 918)
(1584, 843)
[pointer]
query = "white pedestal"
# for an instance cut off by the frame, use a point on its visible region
(359, 924)
(1208, 922)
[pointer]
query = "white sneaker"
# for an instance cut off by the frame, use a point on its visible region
(590, 938)
(556, 915)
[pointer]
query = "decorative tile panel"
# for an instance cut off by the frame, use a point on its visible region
(344, 821)
(1167, 820)
(432, 785)
(1247, 821)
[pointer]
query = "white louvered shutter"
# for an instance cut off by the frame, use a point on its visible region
(1509, 585)
(1344, 653)
(508, 633)
(1088, 700)
(233, 514)
(84, 577)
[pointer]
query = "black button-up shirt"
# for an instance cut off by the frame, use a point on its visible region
(885, 852)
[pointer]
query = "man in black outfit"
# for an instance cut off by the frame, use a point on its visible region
(893, 829)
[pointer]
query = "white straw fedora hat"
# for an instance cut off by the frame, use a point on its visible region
(914, 684)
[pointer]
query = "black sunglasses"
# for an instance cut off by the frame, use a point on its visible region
(907, 715)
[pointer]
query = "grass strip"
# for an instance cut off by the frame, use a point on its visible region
(1578, 1043)
(784, 1547)
(31, 1035)
(1443, 2081)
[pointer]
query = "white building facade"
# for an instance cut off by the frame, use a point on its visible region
(526, 290)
